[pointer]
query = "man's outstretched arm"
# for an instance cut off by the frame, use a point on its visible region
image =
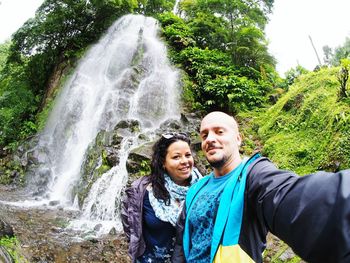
(310, 213)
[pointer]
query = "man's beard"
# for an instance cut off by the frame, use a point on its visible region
(217, 163)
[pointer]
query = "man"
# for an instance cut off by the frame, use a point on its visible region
(229, 212)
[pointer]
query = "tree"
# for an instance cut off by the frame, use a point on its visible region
(154, 7)
(233, 26)
(333, 57)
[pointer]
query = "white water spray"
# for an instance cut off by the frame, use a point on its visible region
(126, 75)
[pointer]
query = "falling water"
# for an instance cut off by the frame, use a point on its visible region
(126, 75)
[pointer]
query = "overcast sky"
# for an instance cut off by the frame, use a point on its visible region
(291, 24)
(13, 13)
(293, 21)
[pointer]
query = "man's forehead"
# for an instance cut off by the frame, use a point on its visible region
(214, 125)
(216, 120)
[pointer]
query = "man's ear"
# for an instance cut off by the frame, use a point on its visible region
(239, 139)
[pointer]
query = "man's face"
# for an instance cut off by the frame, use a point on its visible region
(220, 139)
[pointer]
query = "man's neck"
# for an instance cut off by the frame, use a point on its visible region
(229, 166)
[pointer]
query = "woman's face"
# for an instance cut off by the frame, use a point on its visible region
(179, 162)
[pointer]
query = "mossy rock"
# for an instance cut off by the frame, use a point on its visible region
(138, 162)
(95, 164)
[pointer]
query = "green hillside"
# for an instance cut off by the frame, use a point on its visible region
(308, 128)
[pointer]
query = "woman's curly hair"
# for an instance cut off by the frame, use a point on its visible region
(160, 149)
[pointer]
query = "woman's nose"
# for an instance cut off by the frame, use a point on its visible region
(183, 159)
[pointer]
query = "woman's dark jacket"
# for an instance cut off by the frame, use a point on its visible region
(310, 213)
(132, 208)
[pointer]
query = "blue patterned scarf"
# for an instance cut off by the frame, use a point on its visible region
(170, 213)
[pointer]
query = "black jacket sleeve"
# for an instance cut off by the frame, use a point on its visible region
(310, 213)
(178, 255)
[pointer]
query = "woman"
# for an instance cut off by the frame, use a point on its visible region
(152, 204)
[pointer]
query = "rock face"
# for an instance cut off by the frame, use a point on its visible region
(102, 155)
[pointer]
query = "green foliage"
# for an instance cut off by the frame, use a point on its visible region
(4, 50)
(236, 12)
(216, 84)
(145, 168)
(249, 48)
(154, 7)
(343, 76)
(228, 65)
(209, 31)
(176, 31)
(66, 25)
(11, 171)
(18, 105)
(292, 74)
(308, 129)
(235, 27)
(12, 246)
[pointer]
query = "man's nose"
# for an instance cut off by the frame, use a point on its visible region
(210, 137)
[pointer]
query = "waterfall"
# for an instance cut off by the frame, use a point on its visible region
(126, 75)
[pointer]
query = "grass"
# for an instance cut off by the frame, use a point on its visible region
(308, 128)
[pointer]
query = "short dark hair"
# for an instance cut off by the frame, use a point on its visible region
(160, 149)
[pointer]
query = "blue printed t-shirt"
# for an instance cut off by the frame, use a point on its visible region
(159, 236)
(202, 218)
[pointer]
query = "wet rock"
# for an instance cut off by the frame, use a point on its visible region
(93, 240)
(98, 227)
(5, 229)
(112, 157)
(170, 125)
(137, 157)
(113, 231)
(56, 229)
(54, 203)
(116, 141)
(130, 125)
(100, 157)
